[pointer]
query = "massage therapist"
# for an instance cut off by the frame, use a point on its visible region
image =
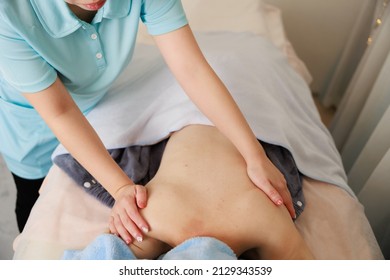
(58, 58)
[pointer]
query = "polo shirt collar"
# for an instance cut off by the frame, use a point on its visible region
(59, 21)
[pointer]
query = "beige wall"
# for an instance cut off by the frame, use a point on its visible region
(319, 29)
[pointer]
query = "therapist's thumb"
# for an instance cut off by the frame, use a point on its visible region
(141, 196)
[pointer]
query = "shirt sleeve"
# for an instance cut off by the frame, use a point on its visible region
(163, 16)
(20, 65)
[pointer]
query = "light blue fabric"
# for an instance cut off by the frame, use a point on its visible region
(104, 247)
(201, 248)
(111, 247)
(40, 40)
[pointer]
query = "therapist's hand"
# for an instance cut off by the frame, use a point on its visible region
(271, 181)
(126, 220)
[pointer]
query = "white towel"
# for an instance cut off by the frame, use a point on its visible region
(146, 103)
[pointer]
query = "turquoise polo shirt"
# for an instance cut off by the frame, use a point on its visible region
(41, 40)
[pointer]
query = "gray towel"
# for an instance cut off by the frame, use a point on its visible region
(140, 163)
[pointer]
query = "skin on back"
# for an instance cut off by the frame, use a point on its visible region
(202, 189)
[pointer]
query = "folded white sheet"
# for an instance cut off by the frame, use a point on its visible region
(146, 103)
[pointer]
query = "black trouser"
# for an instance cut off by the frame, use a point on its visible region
(26, 195)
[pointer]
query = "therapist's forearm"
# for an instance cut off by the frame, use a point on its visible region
(207, 91)
(59, 111)
(86, 147)
(211, 96)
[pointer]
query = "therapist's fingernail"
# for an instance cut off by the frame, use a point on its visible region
(145, 229)
(279, 202)
(139, 238)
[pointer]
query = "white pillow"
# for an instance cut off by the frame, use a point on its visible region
(226, 15)
(220, 15)
(276, 34)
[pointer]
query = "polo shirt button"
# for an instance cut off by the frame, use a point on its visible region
(99, 55)
(94, 36)
(299, 203)
(87, 185)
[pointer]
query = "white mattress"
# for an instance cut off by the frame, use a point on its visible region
(65, 217)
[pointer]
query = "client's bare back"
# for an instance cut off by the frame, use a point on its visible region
(202, 189)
